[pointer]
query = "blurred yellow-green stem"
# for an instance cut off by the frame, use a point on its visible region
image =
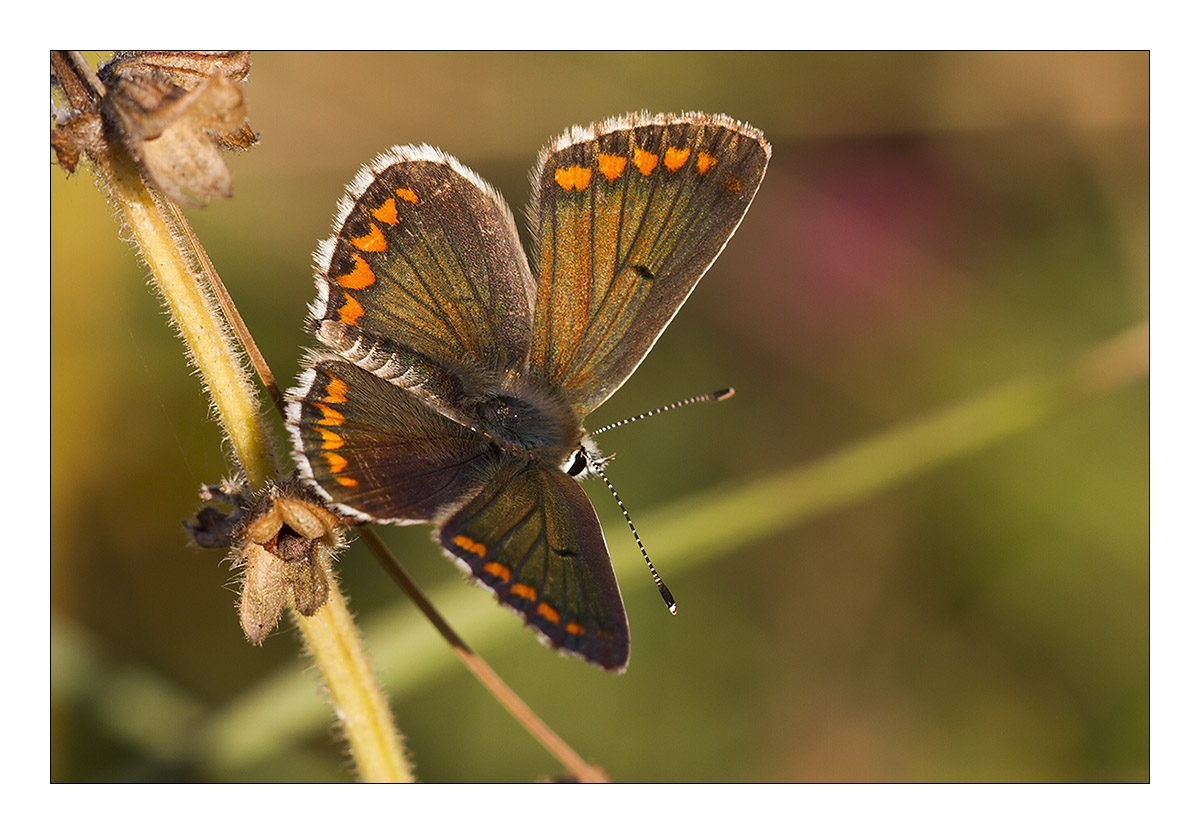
(337, 649)
(330, 634)
(192, 310)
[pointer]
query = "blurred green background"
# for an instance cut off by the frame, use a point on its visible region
(931, 227)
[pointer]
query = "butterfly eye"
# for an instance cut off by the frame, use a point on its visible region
(578, 464)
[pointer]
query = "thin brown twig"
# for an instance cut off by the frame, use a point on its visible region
(487, 676)
(77, 80)
(232, 315)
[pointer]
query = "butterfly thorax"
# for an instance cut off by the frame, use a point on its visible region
(527, 420)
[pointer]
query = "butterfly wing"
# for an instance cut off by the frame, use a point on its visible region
(425, 257)
(427, 299)
(532, 536)
(426, 293)
(378, 452)
(628, 215)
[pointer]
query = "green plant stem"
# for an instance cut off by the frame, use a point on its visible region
(192, 311)
(767, 506)
(337, 649)
(331, 636)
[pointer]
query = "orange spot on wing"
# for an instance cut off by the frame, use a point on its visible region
(386, 213)
(497, 570)
(575, 177)
(644, 161)
(372, 241)
(407, 195)
(575, 628)
(336, 464)
(733, 184)
(610, 165)
(335, 390)
(704, 161)
(332, 439)
(547, 612)
(351, 311)
(471, 546)
(331, 416)
(675, 157)
(359, 277)
(523, 591)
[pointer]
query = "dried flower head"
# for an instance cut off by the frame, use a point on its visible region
(175, 112)
(74, 134)
(283, 540)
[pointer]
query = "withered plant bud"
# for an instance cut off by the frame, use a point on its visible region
(73, 135)
(212, 527)
(182, 68)
(283, 540)
(286, 544)
(175, 112)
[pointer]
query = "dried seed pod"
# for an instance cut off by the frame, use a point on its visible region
(175, 112)
(284, 541)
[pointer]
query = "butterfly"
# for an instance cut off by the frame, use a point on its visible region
(456, 372)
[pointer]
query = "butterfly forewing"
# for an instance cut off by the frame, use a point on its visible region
(426, 257)
(532, 536)
(628, 216)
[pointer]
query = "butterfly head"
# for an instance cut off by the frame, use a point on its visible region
(587, 460)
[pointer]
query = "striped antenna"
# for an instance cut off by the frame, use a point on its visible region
(662, 586)
(715, 396)
(597, 466)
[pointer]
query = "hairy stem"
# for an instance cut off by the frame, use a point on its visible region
(159, 235)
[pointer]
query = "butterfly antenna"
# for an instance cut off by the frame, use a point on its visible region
(597, 466)
(662, 586)
(715, 396)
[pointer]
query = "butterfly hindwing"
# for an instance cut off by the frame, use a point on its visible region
(425, 256)
(376, 451)
(532, 536)
(628, 215)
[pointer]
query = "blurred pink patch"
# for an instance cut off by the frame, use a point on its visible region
(852, 245)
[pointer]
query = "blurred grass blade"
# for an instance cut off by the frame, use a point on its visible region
(269, 719)
(278, 711)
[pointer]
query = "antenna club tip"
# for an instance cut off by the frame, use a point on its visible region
(723, 394)
(668, 598)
